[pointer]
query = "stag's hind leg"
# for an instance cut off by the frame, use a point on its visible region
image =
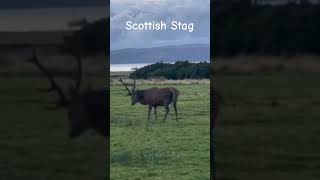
(167, 112)
(175, 111)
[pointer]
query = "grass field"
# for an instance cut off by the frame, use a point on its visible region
(34, 142)
(269, 127)
(167, 150)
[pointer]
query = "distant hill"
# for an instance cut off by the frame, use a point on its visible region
(33, 38)
(190, 52)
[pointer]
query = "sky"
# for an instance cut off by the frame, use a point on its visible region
(47, 19)
(44, 15)
(189, 11)
(28, 4)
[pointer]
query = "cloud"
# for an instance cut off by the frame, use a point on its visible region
(188, 11)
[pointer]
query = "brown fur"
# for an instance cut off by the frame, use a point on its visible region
(155, 97)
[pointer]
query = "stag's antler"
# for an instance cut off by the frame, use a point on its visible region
(63, 101)
(124, 84)
(134, 84)
(54, 86)
(75, 90)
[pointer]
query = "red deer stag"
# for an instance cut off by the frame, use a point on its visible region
(86, 110)
(154, 97)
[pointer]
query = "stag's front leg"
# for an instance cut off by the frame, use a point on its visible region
(150, 108)
(155, 112)
(167, 112)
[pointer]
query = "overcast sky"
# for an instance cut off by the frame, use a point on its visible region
(44, 15)
(27, 4)
(189, 11)
(44, 19)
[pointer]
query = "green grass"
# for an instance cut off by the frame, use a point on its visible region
(34, 142)
(255, 140)
(161, 150)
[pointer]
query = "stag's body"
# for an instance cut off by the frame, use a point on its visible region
(155, 97)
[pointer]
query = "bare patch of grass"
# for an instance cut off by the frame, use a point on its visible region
(115, 81)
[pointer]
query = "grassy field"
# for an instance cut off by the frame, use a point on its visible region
(269, 127)
(167, 150)
(34, 142)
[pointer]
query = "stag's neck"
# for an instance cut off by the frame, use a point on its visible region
(141, 96)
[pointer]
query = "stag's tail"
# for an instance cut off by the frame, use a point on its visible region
(175, 96)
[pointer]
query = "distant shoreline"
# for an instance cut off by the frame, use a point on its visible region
(130, 67)
(126, 67)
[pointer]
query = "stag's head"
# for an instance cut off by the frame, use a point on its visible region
(135, 98)
(135, 95)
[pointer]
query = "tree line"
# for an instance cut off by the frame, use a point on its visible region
(178, 70)
(92, 38)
